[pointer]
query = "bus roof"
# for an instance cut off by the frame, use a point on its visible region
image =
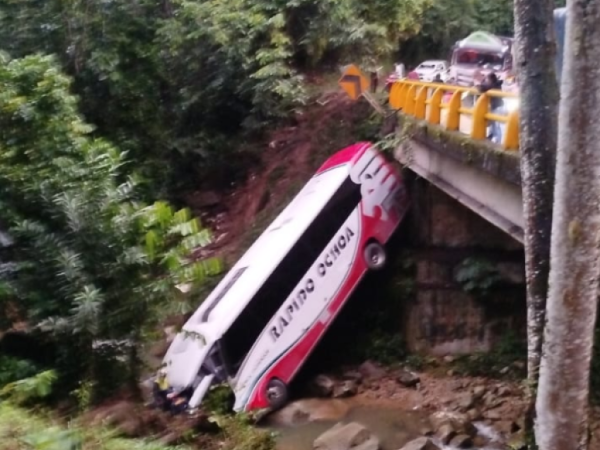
(237, 288)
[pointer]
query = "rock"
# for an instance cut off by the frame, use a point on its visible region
(449, 359)
(461, 441)
(480, 441)
(408, 379)
(505, 370)
(494, 414)
(520, 365)
(474, 415)
(466, 401)
(517, 442)
(353, 375)
(478, 392)
(346, 388)
(450, 373)
(506, 427)
(309, 410)
(371, 370)
(322, 386)
(504, 391)
(421, 443)
(352, 436)
(426, 431)
(459, 422)
(445, 433)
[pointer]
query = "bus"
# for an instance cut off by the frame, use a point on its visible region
(258, 326)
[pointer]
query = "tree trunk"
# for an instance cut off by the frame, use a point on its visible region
(562, 398)
(535, 57)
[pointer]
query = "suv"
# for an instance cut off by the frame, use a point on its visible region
(430, 70)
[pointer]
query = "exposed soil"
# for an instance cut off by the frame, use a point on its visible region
(290, 157)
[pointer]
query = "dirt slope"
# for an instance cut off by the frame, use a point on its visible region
(290, 157)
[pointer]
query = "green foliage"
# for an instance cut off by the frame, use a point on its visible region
(509, 353)
(477, 276)
(21, 429)
(32, 388)
(354, 31)
(95, 265)
(239, 434)
(219, 399)
(381, 346)
(458, 18)
(13, 369)
(175, 84)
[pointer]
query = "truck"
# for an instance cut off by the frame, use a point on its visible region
(477, 54)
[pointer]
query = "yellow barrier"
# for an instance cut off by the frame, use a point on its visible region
(425, 101)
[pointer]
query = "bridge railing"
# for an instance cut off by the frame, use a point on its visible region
(457, 108)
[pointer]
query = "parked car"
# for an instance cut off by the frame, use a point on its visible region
(432, 69)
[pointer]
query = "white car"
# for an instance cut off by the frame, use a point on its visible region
(429, 70)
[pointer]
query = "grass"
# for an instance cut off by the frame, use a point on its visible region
(22, 429)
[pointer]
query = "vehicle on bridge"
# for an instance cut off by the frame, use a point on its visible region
(477, 55)
(431, 70)
(260, 324)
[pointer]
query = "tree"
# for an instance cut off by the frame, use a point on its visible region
(535, 60)
(95, 267)
(562, 398)
(434, 40)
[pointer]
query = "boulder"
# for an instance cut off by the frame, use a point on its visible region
(506, 427)
(504, 391)
(347, 388)
(308, 410)
(478, 392)
(494, 414)
(353, 375)
(371, 370)
(445, 433)
(322, 386)
(461, 441)
(466, 402)
(351, 436)
(459, 422)
(421, 443)
(474, 414)
(408, 378)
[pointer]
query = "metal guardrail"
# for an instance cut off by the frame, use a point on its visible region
(425, 101)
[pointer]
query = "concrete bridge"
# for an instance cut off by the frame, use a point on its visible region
(445, 140)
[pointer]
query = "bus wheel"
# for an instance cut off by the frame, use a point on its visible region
(277, 393)
(374, 255)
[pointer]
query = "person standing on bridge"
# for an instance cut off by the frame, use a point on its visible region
(491, 82)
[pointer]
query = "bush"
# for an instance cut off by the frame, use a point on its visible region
(219, 399)
(509, 350)
(20, 429)
(241, 435)
(13, 369)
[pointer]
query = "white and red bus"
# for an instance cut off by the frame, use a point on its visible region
(260, 324)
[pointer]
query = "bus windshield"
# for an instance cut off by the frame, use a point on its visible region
(478, 58)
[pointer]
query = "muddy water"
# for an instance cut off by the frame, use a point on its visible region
(393, 427)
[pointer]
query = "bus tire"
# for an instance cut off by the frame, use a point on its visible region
(375, 256)
(277, 393)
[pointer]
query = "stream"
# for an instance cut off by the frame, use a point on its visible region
(394, 427)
